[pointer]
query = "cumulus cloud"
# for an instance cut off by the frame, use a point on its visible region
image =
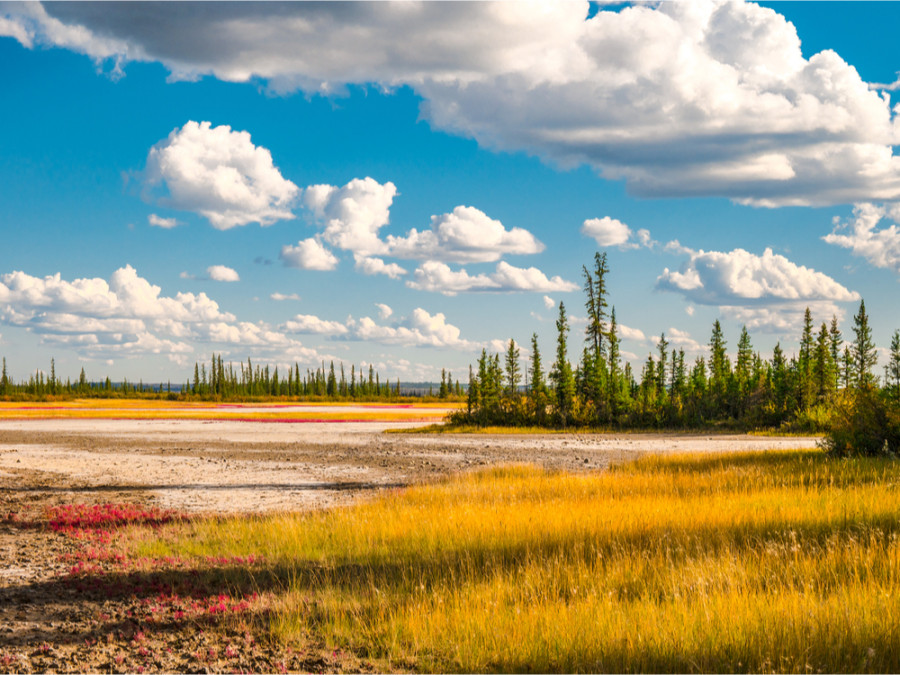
(308, 254)
(165, 223)
(438, 277)
(765, 292)
(880, 247)
(420, 329)
(629, 333)
(128, 316)
(549, 302)
(280, 297)
(372, 266)
(607, 231)
(222, 273)
(353, 214)
(464, 235)
(220, 174)
(676, 99)
(308, 323)
(384, 311)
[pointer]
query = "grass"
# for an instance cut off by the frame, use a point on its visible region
(786, 561)
(280, 412)
(531, 430)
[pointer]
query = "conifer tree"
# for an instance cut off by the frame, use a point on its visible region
(661, 366)
(561, 373)
(837, 340)
(892, 375)
(863, 349)
(513, 370)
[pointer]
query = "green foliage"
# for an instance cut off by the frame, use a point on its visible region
(864, 421)
(800, 394)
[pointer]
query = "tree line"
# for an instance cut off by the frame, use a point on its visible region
(803, 392)
(218, 381)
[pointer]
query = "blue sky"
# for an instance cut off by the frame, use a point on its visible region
(153, 152)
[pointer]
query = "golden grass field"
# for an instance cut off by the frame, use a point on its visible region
(776, 561)
(179, 410)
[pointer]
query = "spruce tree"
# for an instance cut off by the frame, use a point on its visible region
(892, 378)
(561, 373)
(513, 370)
(863, 349)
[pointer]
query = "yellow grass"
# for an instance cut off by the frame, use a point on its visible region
(782, 561)
(172, 410)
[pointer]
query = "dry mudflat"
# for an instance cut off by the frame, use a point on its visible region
(213, 466)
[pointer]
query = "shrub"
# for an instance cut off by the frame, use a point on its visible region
(863, 422)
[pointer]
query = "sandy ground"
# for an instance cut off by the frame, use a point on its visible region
(204, 466)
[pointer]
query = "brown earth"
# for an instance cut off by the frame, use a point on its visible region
(50, 621)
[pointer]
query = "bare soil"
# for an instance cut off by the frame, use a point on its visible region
(50, 624)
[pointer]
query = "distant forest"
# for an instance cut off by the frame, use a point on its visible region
(808, 392)
(218, 381)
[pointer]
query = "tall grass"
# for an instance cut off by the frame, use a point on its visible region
(785, 561)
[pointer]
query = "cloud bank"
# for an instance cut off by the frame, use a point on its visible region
(712, 98)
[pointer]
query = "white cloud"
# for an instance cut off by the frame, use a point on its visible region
(420, 329)
(739, 277)
(384, 311)
(280, 297)
(128, 316)
(880, 247)
(353, 214)
(767, 292)
(219, 174)
(222, 273)
(438, 277)
(689, 310)
(607, 231)
(549, 302)
(308, 254)
(629, 333)
(307, 323)
(165, 223)
(675, 98)
(371, 266)
(465, 235)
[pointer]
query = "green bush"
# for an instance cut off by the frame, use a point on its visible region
(863, 422)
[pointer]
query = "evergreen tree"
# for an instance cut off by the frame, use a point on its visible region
(718, 364)
(513, 370)
(892, 375)
(823, 365)
(661, 366)
(4, 379)
(471, 394)
(561, 374)
(863, 349)
(837, 340)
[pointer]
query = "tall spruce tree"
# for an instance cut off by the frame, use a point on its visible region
(863, 349)
(561, 374)
(513, 370)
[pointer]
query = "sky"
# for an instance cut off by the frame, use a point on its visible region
(405, 184)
